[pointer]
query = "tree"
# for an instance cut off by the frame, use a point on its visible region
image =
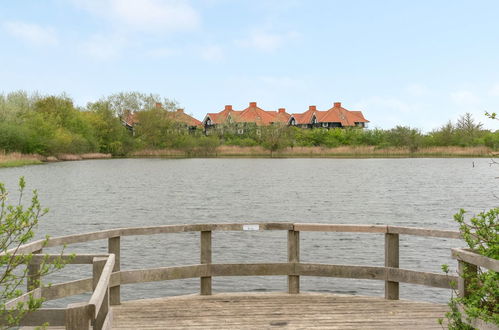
(136, 101)
(17, 224)
(275, 137)
(467, 129)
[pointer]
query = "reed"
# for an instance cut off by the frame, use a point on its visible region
(18, 159)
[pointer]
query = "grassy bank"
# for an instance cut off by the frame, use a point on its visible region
(322, 152)
(18, 159)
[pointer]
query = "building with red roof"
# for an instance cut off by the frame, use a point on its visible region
(251, 116)
(337, 116)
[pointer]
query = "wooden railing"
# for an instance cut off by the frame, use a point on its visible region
(108, 276)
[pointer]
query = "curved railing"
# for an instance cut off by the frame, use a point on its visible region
(108, 276)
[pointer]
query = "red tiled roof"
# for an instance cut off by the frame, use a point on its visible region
(337, 114)
(252, 114)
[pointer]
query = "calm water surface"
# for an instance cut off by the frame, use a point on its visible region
(100, 194)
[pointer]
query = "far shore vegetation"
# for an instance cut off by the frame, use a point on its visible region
(38, 128)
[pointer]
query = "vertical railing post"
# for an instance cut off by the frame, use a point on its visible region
(206, 259)
(77, 317)
(392, 261)
(98, 267)
(466, 272)
(114, 246)
(33, 281)
(293, 256)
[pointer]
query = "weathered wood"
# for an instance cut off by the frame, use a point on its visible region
(423, 232)
(205, 259)
(162, 274)
(466, 272)
(81, 238)
(475, 259)
(33, 275)
(101, 287)
(78, 316)
(261, 269)
(339, 228)
(276, 310)
(422, 278)
(52, 316)
(36, 293)
(392, 261)
(114, 247)
(26, 248)
(78, 259)
(67, 289)
(343, 271)
(293, 257)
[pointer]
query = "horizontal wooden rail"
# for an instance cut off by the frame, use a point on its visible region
(134, 231)
(476, 259)
(108, 276)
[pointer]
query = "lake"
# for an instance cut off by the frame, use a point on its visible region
(92, 195)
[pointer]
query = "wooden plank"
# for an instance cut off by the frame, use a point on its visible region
(392, 261)
(78, 316)
(475, 259)
(162, 274)
(466, 272)
(293, 257)
(423, 232)
(260, 269)
(205, 259)
(343, 271)
(26, 248)
(36, 293)
(78, 259)
(344, 228)
(33, 274)
(52, 316)
(422, 278)
(101, 288)
(114, 247)
(67, 289)
(81, 238)
(276, 310)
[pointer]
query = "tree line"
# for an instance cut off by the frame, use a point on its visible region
(52, 124)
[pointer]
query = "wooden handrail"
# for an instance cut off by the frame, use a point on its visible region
(108, 275)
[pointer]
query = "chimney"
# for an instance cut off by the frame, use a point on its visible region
(158, 105)
(312, 107)
(252, 104)
(228, 107)
(282, 110)
(180, 110)
(337, 104)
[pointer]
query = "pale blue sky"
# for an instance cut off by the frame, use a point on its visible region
(416, 63)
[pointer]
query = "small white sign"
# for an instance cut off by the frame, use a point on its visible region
(251, 227)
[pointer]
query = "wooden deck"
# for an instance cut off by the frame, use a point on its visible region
(276, 310)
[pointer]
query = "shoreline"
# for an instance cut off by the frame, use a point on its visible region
(363, 152)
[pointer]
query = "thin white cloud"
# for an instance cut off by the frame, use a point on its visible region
(103, 47)
(212, 53)
(494, 91)
(155, 16)
(32, 33)
(464, 98)
(266, 41)
(418, 90)
(163, 52)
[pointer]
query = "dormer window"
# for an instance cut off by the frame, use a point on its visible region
(293, 122)
(208, 121)
(314, 120)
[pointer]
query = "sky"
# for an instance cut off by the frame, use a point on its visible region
(413, 63)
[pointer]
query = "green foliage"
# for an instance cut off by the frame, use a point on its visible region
(51, 125)
(17, 224)
(481, 233)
